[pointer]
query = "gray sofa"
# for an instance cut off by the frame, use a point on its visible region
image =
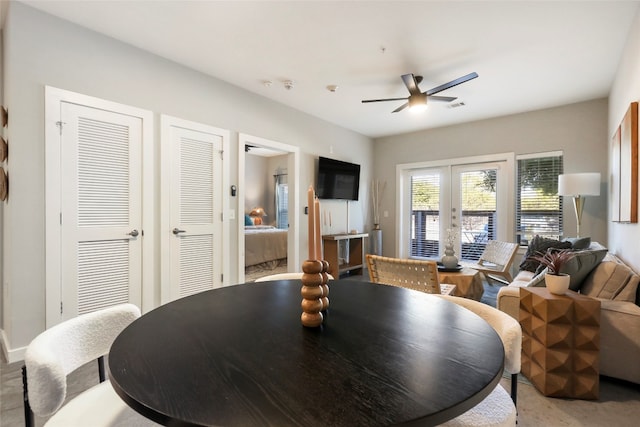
(616, 286)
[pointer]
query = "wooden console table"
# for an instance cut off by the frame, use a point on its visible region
(355, 253)
(560, 342)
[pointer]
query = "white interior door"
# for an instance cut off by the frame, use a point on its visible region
(193, 163)
(101, 208)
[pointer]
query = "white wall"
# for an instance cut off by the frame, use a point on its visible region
(580, 130)
(257, 183)
(624, 238)
(40, 50)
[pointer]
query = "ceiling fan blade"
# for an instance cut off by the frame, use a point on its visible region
(400, 108)
(442, 98)
(382, 100)
(411, 84)
(452, 83)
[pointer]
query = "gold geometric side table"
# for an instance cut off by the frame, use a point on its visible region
(560, 342)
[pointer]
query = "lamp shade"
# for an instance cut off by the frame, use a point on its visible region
(579, 184)
(257, 212)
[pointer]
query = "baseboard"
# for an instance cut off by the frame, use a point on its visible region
(10, 355)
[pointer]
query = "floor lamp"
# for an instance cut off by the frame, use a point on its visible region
(579, 185)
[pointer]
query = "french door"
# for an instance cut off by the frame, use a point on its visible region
(465, 203)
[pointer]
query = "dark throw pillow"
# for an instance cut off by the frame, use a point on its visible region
(247, 220)
(540, 245)
(578, 243)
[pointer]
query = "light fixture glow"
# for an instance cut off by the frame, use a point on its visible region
(257, 214)
(418, 102)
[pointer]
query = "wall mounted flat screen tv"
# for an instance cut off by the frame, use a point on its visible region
(337, 179)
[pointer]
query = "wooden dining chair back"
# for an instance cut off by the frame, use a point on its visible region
(499, 408)
(62, 349)
(407, 273)
(496, 259)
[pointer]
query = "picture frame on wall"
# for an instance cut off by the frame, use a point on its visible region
(624, 168)
(614, 180)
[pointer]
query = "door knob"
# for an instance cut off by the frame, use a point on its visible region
(134, 233)
(178, 231)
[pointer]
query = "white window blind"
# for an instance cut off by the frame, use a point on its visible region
(282, 201)
(425, 215)
(538, 206)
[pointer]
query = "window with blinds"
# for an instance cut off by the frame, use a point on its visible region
(282, 201)
(425, 215)
(538, 206)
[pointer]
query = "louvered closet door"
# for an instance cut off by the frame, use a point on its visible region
(101, 209)
(196, 213)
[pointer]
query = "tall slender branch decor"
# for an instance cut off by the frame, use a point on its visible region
(377, 190)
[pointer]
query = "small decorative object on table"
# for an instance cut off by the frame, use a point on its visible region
(325, 286)
(556, 281)
(312, 293)
(315, 277)
(449, 259)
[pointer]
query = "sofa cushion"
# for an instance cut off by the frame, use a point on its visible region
(540, 245)
(581, 265)
(522, 279)
(611, 280)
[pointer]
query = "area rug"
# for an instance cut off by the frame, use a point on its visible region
(265, 269)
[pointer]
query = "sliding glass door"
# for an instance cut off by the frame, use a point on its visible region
(467, 202)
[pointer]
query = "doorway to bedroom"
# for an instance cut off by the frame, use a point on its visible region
(267, 207)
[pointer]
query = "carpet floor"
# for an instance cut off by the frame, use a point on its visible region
(618, 405)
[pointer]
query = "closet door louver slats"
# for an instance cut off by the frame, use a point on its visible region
(101, 162)
(103, 274)
(196, 211)
(103, 201)
(103, 174)
(196, 181)
(196, 268)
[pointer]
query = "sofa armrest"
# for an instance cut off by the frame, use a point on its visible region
(508, 301)
(620, 340)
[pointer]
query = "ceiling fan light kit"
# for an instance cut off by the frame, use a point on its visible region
(417, 100)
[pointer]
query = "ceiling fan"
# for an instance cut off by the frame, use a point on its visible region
(417, 99)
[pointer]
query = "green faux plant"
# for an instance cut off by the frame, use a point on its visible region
(553, 260)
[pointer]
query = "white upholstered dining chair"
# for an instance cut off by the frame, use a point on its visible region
(62, 349)
(499, 408)
(284, 276)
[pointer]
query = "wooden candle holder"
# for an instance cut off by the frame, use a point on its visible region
(312, 292)
(325, 286)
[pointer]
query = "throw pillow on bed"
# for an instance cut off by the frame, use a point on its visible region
(247, 220)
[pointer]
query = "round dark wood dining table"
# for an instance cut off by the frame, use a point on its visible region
(239, 356)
